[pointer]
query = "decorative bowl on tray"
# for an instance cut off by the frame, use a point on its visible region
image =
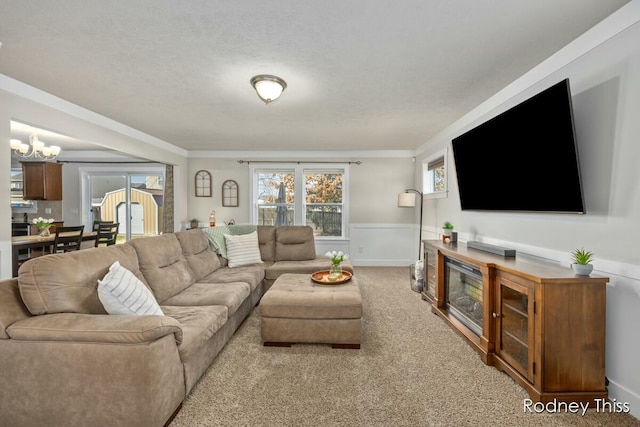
(322, 277)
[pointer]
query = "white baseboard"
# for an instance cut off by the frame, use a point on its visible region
(625, 396)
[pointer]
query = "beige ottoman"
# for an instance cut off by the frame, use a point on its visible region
(297, 310)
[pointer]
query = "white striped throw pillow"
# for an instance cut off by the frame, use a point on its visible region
(121, 292)
(242, 249)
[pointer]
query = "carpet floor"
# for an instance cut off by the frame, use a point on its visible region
(412, 370)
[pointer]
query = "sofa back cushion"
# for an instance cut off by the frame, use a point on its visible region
(295, 243)
(267, 242)
(68, 283)
(195, 248)
(163, 266)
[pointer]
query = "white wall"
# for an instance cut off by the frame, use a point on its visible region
(604, 71)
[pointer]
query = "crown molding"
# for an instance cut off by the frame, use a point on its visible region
(301, 154)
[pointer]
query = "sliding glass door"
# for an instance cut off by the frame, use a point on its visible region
(132, 199)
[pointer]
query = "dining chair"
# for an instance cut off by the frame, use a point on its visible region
(68, 238)
(107, 233)
(97, 223)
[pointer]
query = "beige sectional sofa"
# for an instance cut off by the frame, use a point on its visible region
(65, 362)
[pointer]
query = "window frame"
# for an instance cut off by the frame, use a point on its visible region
(428, 176)
(299, 170)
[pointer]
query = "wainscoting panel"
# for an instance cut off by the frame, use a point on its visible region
(324, 245)
(392, 245)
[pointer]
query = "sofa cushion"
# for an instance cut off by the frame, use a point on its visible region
(251, 274)
(267, 242)
(295, 243)
(242, 249)
(68, 283)
(121, 292)
(198, 325)
(231, 295)
(163, 266)
(196, 250)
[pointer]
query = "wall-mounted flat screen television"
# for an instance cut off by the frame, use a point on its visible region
(524, 159)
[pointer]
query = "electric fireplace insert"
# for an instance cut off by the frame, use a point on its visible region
(463, 294)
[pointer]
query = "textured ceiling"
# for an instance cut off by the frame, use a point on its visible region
(361, 75)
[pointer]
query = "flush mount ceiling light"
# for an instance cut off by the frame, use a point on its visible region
(269, 88)
(35, 149)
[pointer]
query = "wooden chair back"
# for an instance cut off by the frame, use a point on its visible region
(68, 238)
(96, 224)
(107, 233)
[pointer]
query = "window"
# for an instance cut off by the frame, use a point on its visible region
(306, 194)
(434, 176)
(323, 201)
(275, 197)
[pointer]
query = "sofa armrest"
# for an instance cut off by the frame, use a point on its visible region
(101, 328)
(11, 307)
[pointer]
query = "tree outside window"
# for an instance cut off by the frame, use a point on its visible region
(323, 200)
(318, 201)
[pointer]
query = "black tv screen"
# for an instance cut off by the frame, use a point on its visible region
(524, 159)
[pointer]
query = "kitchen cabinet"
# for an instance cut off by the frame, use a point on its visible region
(42, 180)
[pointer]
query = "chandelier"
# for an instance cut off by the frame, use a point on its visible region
(34, 149)
(269, 88)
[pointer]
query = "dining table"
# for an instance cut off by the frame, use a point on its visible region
(36, 241)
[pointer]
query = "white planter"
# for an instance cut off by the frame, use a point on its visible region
(582, 269)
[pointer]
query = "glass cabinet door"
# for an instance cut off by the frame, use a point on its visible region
(514, 323)
(429, 275)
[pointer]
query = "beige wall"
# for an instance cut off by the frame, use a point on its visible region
(373, 191)
(220, 170)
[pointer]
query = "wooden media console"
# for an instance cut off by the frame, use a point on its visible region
(534, 320)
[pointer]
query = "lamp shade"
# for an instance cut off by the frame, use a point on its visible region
(406, 200)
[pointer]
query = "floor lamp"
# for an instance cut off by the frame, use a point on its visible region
(408, 200)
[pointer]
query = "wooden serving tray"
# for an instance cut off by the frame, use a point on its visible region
(322, 277)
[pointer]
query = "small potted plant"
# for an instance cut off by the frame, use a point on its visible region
(582, 262)
(194, 223)
(447, 230)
